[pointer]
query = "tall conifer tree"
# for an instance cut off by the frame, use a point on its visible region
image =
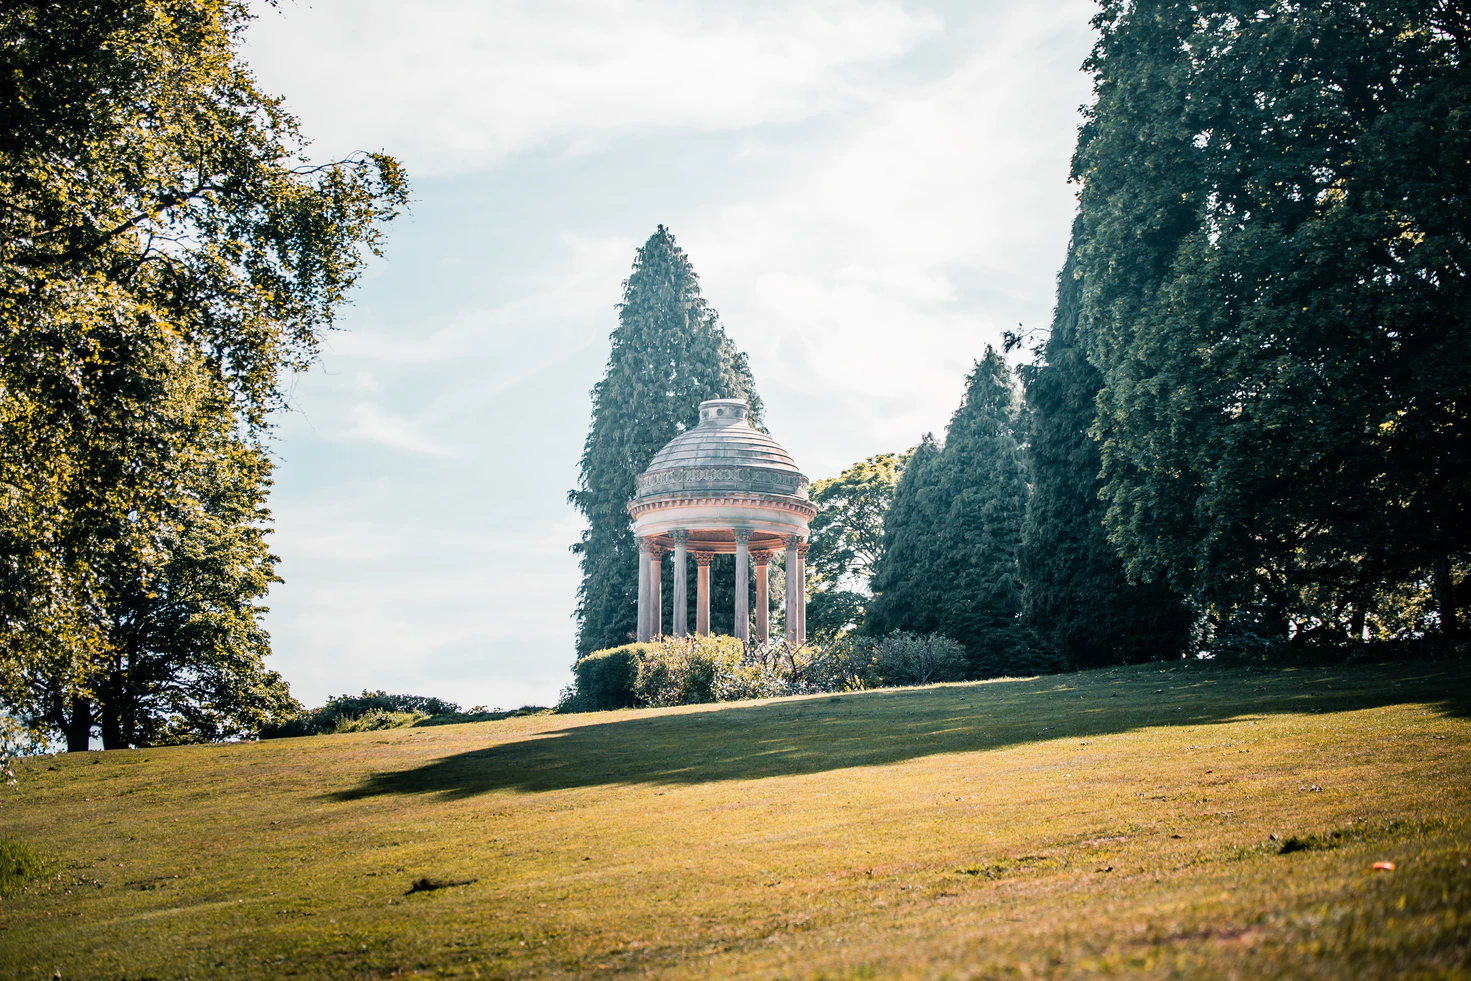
(1075, 597)
(902, 582)
(953, 534)
(983, 478)
(669, 353)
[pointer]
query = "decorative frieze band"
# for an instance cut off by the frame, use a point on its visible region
(698, 478)
(758, 501)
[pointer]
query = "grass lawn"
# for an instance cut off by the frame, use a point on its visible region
(1148, 822)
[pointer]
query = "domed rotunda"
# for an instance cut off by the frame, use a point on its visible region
(723, 487)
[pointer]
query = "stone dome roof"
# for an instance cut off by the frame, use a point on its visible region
(723, 452)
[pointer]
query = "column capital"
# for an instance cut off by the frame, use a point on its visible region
(704, 558)
(742, 535)
(644, 544)
(761, 556)
(802, 549)
(792, 541)
(680, 536)
(657, 552)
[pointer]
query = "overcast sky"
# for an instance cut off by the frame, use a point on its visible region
(871, 192)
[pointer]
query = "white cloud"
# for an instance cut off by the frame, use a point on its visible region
(878, 272)
(454, 85)
(371, 422)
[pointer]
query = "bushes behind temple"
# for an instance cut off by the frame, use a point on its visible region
(694, 670)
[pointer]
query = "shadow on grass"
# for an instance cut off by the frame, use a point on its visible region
(809, 735)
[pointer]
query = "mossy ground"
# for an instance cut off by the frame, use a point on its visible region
(1126, 822)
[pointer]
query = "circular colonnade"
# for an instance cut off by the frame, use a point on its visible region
(721, 488)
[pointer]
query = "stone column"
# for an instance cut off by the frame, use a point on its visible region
(743, 584)
(702, 592)
(656, 591)
(641, 633)
(762, 559)
(681, 594)
(794, 616)
(802, 594)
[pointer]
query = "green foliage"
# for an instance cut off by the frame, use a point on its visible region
(954, 531)
(693, 670)
(375, 719)
(605, 679)
(903, 582)
(20, 864)
(353, 713)
(167, 256)
(690, 671)
(846, 541)
(1076, 599)
(669, 353)
(1275, 245)
(847, 534)
(901, 658)
(831, 613)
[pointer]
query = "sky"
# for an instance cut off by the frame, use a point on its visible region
(871, 192)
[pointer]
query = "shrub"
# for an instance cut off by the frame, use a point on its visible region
(846, 664)
(604, 679)
(340, 711)
(685, 671)
(377, 719)
(902, 658)
(691, 670)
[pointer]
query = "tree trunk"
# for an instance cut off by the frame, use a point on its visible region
(1445, 596)
(111, 722)
(78, 728)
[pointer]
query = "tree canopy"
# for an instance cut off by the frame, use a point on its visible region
(668, 354)
(847, 542)
(1076, 599)
(168, 252)
(1275, 256)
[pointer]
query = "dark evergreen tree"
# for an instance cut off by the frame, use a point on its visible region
(1277, 242)
(1075, 597)
(953, 533)
(669, 353)
(902, 583)
(983, 480)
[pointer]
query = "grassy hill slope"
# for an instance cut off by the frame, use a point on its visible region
(1113, 821)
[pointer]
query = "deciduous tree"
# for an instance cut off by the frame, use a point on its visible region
(1277, 281)
(847, 541)
(160, 220)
